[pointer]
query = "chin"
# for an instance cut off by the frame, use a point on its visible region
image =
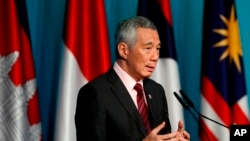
(147, 75)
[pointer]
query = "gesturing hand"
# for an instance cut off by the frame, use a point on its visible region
(153, 135)
(179, 135)
(182, 135)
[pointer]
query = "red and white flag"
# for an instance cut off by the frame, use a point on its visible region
(19, 107)
(85, 57)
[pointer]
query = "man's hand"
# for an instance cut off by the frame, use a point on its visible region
(179, 135)
(153, 135)
(182, 134)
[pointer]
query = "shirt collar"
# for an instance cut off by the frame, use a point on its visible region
(127, 80)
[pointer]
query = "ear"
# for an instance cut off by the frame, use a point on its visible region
(123, 50)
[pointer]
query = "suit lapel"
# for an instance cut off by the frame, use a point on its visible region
(149, 92)
(123, 96)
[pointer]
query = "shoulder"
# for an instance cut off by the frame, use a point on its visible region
(148, 82)
(96, 83)
(108, 78)
(102, 83)
(93, 90)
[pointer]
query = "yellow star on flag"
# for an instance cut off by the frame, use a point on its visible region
(232, 40)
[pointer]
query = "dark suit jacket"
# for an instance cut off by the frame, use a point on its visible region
(105, 111)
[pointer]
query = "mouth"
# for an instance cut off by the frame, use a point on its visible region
(150, 68)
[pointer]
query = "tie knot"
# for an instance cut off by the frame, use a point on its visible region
(138, 88)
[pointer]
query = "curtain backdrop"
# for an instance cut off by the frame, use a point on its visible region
(46, 19)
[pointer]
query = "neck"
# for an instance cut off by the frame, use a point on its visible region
(123, 65)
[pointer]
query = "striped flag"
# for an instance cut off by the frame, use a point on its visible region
(166, 72)
(223, 86)
(85, 57)
(19, 107)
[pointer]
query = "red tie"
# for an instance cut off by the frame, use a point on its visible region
(142, 107)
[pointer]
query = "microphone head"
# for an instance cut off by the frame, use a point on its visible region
(181, 101)
(190, 103)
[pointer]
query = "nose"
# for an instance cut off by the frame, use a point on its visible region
(155, 55)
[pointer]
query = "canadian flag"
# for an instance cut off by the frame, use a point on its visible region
(19, 107)
(85, 57)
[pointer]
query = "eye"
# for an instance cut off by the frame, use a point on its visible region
(158, 48)
(148, 49)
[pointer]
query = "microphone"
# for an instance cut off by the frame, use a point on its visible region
(191, 104)
(181, 101)
(186, 106)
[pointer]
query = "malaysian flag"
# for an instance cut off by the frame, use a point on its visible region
(223, 87)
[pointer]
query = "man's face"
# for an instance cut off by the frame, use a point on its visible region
(143, 56)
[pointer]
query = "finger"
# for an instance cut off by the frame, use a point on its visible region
(159, 127)
(186, 135)
(168, 136)
(180, 126)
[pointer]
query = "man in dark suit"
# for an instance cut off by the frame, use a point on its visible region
(110, 108)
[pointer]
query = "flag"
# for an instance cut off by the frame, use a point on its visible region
(19, 107)
(85, 57)
(166, 72)
(223, 86)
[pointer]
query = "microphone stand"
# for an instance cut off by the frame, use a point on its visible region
(191, 104)
(186, 106)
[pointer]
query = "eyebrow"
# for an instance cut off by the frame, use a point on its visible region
(148, 43)
(151, 43)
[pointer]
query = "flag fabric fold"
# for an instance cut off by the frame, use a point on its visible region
(86, 56)
(223, 85)
(19, 107)
(166, 72)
